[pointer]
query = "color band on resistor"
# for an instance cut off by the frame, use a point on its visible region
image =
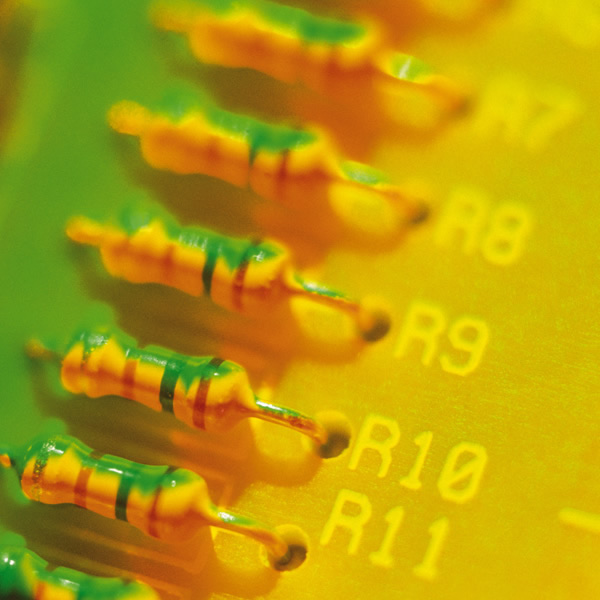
(291, 44)
(27, 576)
(207, 393)
(165, 502)
(251, 277)
(300, 168)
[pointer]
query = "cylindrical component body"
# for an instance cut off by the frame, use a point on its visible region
(164, 502)
(204, 392)
(240, 275)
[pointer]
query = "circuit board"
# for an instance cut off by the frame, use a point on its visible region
(473, 459)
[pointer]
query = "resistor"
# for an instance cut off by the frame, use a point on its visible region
(27, 576)
(204, 392)
(251, 277)
(292, 45)
(167, 503)
(300, 168)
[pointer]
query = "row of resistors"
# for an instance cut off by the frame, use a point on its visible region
(301, 168)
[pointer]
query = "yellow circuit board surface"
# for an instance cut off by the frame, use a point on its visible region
(473, 469)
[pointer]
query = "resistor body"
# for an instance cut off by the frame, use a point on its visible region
(167, 503)
(27, 576)
(253, 278)
(290, 44)
(239, 275)
(300, 168)
(204, 392)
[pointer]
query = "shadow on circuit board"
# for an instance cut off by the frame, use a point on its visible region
(15, 34)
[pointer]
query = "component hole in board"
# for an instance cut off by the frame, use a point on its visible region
(421, 214)
(339, 433)
(297, 542)
(374, 319)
